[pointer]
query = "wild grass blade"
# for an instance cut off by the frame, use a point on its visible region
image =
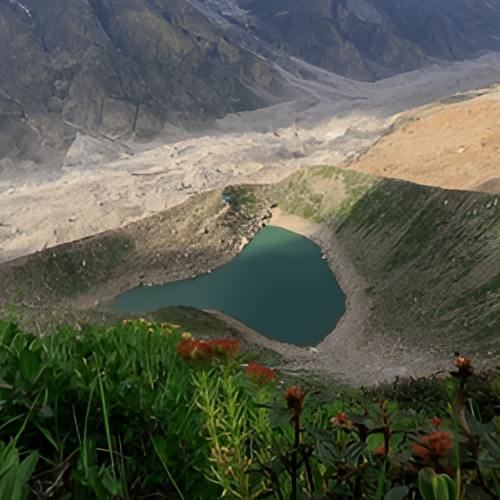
(166, 468)
(106, 425)
(381, 481)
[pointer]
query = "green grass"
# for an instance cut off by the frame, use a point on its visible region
(115, 413)
(66, 272)
(103, 393)
(295, 194)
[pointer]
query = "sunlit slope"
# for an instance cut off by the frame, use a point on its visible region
(430, 256)
(452, 144)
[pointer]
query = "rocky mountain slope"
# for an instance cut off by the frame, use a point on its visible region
(131, 69)
(366, 39)
(115, 68)
(335, 122)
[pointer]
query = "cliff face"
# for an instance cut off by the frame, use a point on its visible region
(369, 39)
(121, 68)
(126, 68)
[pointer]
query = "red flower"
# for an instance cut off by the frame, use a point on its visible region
(341, 418)
(463, 362)
(435, 421)
(380, 451)
(295, 399)
(225, 348)
(195, 350)
(260, 374)
(464, 365)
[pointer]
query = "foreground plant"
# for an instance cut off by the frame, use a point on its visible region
(434, 486)
(237, 431)
(96, 402)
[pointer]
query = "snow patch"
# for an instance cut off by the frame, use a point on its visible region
(22, 7)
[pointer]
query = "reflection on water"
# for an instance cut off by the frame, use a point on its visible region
(278, 285)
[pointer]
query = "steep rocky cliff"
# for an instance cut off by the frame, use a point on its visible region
(120, 68)
(367, 39)
(123, 69)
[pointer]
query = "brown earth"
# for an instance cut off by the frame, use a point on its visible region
(449, 144)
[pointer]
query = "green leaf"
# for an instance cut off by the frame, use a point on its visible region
(30, 365)
(363, 420)
(397, 493)
(8, 334)
(278, 416)
(8, 459)
(45, 411)
(326, 452)
(478, 427)
(111, 484)
(23, 475)
(353, 452)
(492, 445)
(444, 487)
(425, 484)
(374, 441)
(7, 484)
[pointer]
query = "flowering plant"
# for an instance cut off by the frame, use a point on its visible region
(259, 374)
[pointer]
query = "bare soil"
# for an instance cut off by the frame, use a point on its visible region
(452, 145)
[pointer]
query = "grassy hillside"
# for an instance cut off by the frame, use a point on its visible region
(430, 256)
(189, 239)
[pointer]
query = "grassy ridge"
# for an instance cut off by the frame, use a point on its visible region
(429, 256)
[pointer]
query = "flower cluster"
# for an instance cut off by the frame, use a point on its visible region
(201, 350)
(340, 419)
(225, 348)
(429, 448)
(295, 399)
(195, 350)
(464, 365)
(260, 374)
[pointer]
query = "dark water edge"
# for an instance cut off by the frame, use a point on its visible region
(278, 285)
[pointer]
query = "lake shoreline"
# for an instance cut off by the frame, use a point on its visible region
(351, 353)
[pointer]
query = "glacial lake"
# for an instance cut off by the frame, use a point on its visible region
(278, 285)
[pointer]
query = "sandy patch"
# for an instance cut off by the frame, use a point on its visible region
(452, 146)
(292, 223)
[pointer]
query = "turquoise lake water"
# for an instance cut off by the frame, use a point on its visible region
(278, 285)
